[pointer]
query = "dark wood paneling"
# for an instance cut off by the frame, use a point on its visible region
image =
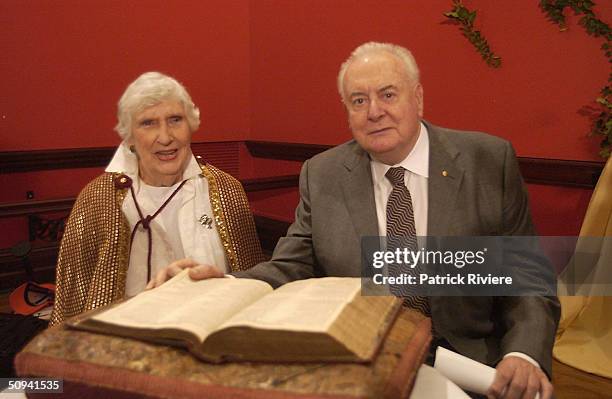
(556, 172)
(560, 172)
(24, 208)
(32, 207)
(285, 151)
(68, 158)
(223, 154)
(270, 183)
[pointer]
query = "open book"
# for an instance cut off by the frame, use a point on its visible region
(225, 319)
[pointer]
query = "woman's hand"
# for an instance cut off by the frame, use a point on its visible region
(197, 272)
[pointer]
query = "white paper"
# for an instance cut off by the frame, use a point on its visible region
(430, 383)
(467, 373)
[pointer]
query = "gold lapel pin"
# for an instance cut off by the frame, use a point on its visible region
(444, 173)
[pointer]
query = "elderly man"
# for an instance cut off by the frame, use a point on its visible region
(442, 183)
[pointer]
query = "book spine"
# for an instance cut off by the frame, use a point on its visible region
(403, 376)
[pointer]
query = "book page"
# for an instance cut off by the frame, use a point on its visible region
(182, 303)
(308, 305)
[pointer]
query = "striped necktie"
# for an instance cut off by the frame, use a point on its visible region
(401, 233)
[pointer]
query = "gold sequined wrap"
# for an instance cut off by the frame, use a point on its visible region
(94, 253)
(234, 219)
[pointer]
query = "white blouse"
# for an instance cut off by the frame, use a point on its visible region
(177, 232)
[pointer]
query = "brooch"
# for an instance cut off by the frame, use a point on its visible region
(206, 220)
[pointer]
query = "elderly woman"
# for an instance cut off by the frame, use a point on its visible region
(156, 209)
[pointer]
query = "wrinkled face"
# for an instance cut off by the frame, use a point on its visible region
(162, 138)
(384, 106)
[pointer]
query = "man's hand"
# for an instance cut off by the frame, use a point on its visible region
(197, 272)
(516, 378)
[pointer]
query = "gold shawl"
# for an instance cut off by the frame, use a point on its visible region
(94, 253)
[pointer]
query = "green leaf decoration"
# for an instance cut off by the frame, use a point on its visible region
(554, 10)
(464, 17)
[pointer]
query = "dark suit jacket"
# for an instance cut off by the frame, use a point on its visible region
(482, 194)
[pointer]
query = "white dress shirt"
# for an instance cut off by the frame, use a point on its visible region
(415, 178)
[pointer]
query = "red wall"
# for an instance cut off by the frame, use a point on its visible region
(558, 211)
(266, 70)
(66, 63)
(533, 100)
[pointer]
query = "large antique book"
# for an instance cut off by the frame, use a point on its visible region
(323, 319)
(94, 365)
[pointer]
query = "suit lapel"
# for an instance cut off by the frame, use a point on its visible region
(442, 190)
(359, 192)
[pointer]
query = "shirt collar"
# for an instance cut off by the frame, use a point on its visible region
(125, 161)
(416, 162)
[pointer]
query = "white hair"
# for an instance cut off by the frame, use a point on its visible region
(374, 47)
(149, 89)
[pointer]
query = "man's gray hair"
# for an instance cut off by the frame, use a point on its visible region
(149, 89)
(374, 47)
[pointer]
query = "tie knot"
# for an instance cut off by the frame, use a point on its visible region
(396, 175)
